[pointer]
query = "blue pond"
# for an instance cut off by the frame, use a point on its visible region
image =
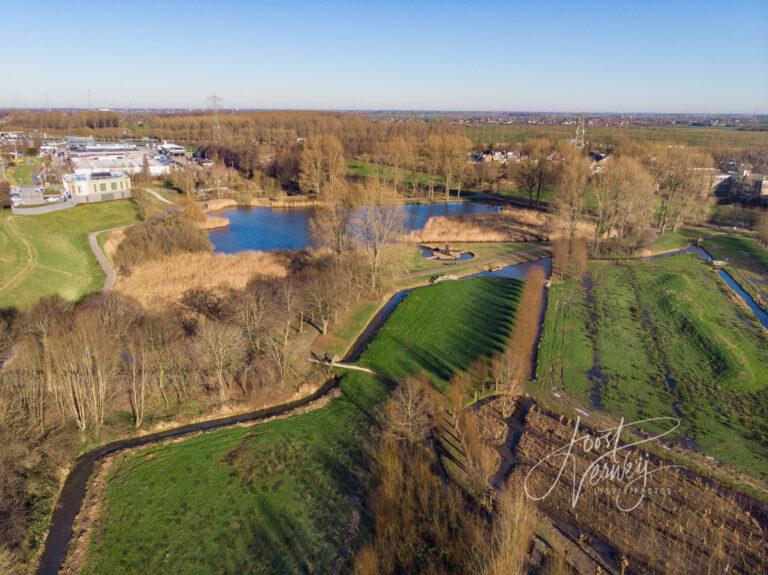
(288, 229)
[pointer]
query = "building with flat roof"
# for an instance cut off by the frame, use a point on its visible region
(168, 149)
(131, 163)
(97, 187)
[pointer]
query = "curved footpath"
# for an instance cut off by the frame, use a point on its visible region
(101, 257)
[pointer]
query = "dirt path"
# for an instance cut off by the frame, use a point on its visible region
(158, 196)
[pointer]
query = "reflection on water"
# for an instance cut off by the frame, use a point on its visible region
(759, 312)
(288, 229)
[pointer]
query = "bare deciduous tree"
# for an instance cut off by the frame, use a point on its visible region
(535, 171)
(408, 412)
(221, 349)
(623, 199)
(84, 364)
(331, 224)
(683, 176)
(322, 164)
(378, 223)
(571, 184)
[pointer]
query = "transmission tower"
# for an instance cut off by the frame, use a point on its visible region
(581, 129)
(215, 102)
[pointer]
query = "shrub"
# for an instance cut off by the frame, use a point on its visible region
(158, 238)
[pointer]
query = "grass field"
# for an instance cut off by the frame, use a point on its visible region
(747, 263)
(688, 135)
(739, 251)
(361, 169)
(407, 257)
(21, 174)
(671, 341)
(284, 497)
(49, 253)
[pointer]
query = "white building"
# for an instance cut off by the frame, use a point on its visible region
(126, 164)
(97, 187)
(168, 149)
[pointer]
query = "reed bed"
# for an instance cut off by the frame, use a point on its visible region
(162, 282)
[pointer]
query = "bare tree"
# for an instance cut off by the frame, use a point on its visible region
(322, 165)
(535, 171)
(331, 224)
(136, 374)
(408, 412)
(221, 349)
(324, 295)
(513, 529)
(762, 229)
(432, 154)
(453, 159)
(683, 176)
(395, 153)
(570, 188)
(251, 314)
(378, 223)
(623, 198)
(84, 364)
(23, 385)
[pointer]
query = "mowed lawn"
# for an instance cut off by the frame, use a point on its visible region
(285, 496)
(49, 253)
(672, 340)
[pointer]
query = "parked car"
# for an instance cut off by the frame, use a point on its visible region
(16, 201)
(53, 199)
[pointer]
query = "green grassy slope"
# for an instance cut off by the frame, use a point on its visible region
(49, 253)
(670, 318)
(284, 497)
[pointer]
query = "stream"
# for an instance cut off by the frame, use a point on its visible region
(72, 493)
(596, 374)
(760, 313)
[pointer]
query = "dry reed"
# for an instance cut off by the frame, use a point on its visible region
(509, 225)
(161, 282)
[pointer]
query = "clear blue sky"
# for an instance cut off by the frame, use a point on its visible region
(615, 55)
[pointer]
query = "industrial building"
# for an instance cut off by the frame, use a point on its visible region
(130, 163)
(168, 149)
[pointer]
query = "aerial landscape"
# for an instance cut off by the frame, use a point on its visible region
(402, 289)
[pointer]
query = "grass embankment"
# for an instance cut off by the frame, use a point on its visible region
(747, 263)
(672, 340)
(284, 497)
(671, 241)
(49, 253)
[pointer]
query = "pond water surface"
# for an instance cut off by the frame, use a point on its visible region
(288, 229)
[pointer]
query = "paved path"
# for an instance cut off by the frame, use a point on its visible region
(101, 257)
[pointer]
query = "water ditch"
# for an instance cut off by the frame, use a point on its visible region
(73, 490)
